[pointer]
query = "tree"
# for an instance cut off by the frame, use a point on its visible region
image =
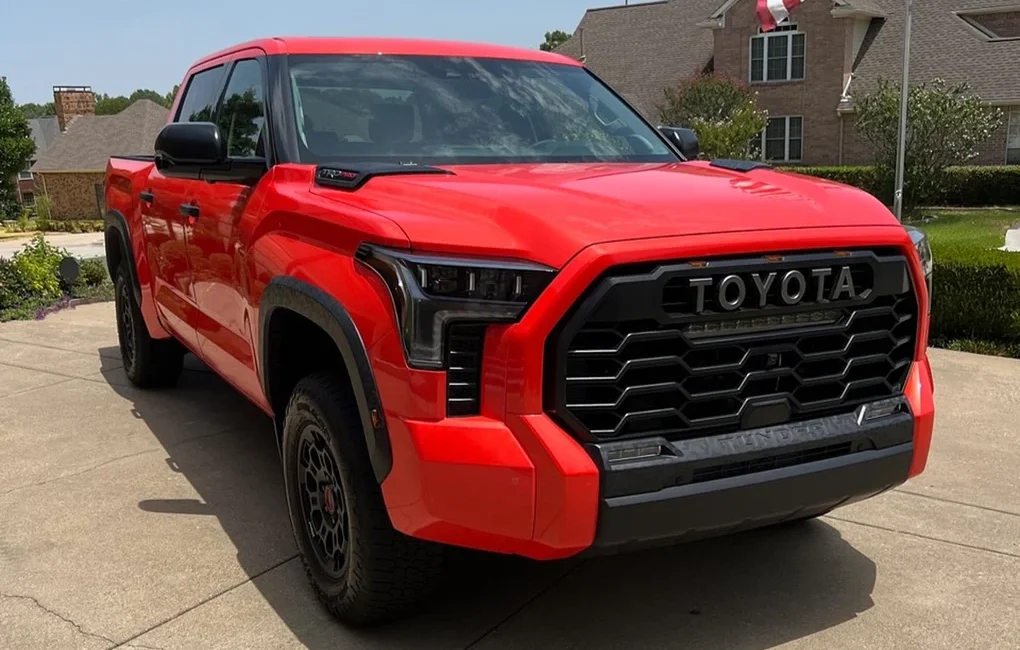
(553, 40)
(16, 149)
(107, 105)
(945, 124)
(32, 111)
(168, 99)
(722, 111)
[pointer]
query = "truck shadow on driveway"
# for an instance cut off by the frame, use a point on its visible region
(754, 590)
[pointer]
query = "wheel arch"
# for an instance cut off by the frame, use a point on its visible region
(117, 241)
(288, 295)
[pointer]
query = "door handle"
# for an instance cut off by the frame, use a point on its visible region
(147, 196)
(189, 210)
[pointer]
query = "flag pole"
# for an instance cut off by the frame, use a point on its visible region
(901, 149)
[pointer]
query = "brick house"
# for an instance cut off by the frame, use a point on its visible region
(71, 171)
(808, 71)
(44, 131)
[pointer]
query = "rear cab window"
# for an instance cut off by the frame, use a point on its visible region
(199, 101)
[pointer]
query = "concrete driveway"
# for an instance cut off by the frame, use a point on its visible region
(156, 520)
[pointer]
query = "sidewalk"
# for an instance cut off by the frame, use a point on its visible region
(84, 245)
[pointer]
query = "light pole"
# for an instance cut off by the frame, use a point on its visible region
(901, 150)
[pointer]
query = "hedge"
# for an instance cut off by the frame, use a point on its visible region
(976, 294)
(967, 186)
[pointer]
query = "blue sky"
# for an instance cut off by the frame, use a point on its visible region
(116, 46)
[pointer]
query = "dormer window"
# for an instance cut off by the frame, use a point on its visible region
(778, 55)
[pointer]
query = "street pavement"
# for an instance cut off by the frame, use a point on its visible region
(133, 519)
(83, 245)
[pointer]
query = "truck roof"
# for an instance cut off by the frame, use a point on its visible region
(396, 46)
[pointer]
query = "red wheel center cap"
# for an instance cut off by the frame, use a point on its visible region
(328, 500)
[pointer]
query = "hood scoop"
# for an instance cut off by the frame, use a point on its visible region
(351, 176)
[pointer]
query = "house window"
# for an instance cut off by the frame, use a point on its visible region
(25, 174)
(778, 55)
(28, 199)
(1013, 138)
(781, 141)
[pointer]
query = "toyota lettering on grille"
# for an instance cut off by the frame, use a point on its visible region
(794, 287)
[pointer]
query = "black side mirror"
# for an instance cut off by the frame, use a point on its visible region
(683, 139)
(198, 151)
(184, 144)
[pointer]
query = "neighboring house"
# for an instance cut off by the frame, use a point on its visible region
(808, 71)
(44, 131)
(72, 170)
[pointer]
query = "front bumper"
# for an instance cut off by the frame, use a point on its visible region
(527, 488)
(712, 486)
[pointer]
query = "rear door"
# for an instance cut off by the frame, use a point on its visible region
(166, 228)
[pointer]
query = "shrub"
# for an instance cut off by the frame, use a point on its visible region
(722, 111)
(13, 286)
(93, 272)
(37, 263)
(976, 294)
(964, 186)
(947, 123)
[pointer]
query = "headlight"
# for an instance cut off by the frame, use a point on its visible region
(429, 292)
(920, 240)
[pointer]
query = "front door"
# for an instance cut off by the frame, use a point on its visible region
(215, 249)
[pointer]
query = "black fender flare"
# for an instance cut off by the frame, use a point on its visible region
(325, 311)
(114, 221)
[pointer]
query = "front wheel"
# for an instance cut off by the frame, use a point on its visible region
(361, 569)
(148, 362)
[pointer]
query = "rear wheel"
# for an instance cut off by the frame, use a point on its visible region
(361, 569)
(148, 362)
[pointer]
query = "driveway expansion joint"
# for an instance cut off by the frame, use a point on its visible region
(930, 538)
(63, 618)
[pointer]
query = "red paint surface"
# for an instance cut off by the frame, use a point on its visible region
(509, 480)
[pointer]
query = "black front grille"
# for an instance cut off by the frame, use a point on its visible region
(464, 343)
(648, 353)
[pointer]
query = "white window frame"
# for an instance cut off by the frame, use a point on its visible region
(787, 31)
(786, 139)
(25, 174)
(1012, 121)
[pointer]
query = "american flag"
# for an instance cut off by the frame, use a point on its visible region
(773, 12)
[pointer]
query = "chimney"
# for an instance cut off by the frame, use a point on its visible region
(70, 102)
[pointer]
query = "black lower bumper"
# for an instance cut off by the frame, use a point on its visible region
(713, 486)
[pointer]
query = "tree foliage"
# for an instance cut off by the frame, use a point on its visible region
(32, 111)
(945, 125)
(16, 149)
(107, 105)
(553, 40)
(722, 111)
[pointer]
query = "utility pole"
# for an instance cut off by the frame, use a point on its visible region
(901, 151)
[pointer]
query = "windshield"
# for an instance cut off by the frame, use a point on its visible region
(452, 110)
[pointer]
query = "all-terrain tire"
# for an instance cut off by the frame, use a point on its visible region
(148, 362)
(382, 574)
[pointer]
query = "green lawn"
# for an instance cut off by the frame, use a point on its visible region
(985, 229)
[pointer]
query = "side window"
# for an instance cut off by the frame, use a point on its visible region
(241, 116)
(199, 101)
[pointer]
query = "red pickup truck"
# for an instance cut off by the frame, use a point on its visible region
(488, 305)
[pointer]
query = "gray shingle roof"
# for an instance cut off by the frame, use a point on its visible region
(44, 131)
(942, 46)
(90, 140)
(641, 48)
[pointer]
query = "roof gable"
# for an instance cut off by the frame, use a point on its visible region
(90, 140)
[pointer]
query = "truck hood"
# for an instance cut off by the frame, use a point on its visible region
(547, 213)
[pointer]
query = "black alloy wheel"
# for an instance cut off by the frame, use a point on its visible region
(323, 506)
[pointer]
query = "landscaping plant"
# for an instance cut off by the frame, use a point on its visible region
(946, 124)
(722, 111)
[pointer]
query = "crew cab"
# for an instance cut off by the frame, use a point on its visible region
(488, 305)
